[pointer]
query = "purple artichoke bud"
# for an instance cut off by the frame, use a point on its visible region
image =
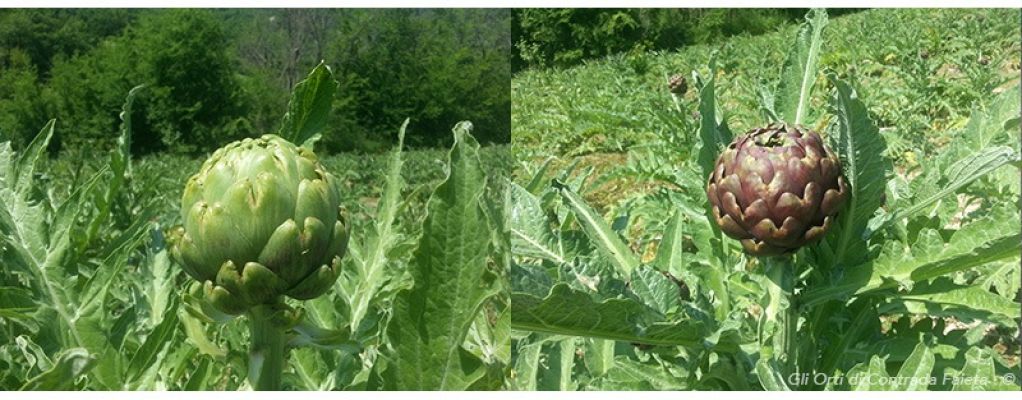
(776, 189)
(677, 85)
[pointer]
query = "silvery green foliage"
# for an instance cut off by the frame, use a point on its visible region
(108, 308)
(916, 273)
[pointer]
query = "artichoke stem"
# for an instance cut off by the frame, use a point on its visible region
(782, 310)
(677, 103)
(266, 354)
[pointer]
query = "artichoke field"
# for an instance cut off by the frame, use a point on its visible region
(263, 267)
(819, 250)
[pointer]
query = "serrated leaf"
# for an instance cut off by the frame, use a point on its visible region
(162, 283)
(979, 373)
(631, 374)
(371, 273)
(989, 126)
(160, 337)
(601, 235)
(556, 373)
(791, 100)
(712, 136)
(307, 365)
(23, 169)
(37, 237)
(68, 366)
(915, 371)
(530, 231)
(430, 321)
(599, 356)
(530, 279)
(309, 106)
(567, 311)
(859, 146)
(21, 220)
(527, 364)
(14, 301)
(103, 343)
(960, 174)
(990, 239)
(670, 257)
(539, 177)
(944, 298)
(120, 167)
(962, 163)
(115, 257)
(501, 339)
(196, 334)
(656, 290)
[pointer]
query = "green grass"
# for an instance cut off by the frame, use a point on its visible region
(922, 68)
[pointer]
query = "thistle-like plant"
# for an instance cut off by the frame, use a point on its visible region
(845, 272)
(262, 220)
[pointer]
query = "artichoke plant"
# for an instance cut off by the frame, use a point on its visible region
(677, 84)
(776, 189)
(262, 220)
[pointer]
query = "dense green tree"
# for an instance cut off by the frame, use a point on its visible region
(217, 75)
(31, 42)
(194, 99)
(191, 101)
(275, 49)
(436, 67)
(45, 34)
(22, 108)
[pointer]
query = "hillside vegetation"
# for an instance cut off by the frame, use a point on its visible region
(670, 236)
(925, 69)
(214, 76)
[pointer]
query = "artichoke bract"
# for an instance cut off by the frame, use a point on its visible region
(776, 189)
(262, 219)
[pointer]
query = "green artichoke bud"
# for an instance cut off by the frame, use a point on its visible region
(776, 189)
(262, 219)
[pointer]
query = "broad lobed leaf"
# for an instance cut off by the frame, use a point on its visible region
(567, 311)
(989, 239)
(791, 99)
(858, 143)
(449, 269)
(309, 106)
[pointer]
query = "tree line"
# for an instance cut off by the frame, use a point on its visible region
(213, 76)
(563, 37)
